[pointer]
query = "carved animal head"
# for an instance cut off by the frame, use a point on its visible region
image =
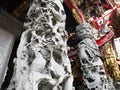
(84, 29)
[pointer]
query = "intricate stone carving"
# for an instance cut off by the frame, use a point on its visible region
(93, 71)
(42, 62)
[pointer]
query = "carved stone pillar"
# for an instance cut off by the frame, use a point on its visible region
(93, 70)
(10, 28)
(42, 62)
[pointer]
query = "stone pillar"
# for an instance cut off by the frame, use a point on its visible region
(10, 28)
(94, 75)
(42, 62)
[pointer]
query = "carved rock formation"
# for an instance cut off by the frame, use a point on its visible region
(42, 62)
(93, 71)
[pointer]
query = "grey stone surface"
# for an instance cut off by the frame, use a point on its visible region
(10, 28)
(93, 70)
(117, 85)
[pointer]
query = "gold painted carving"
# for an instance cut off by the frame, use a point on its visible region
(110, 62)
(76, 16)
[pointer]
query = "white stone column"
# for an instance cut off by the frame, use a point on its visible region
(42, 62)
